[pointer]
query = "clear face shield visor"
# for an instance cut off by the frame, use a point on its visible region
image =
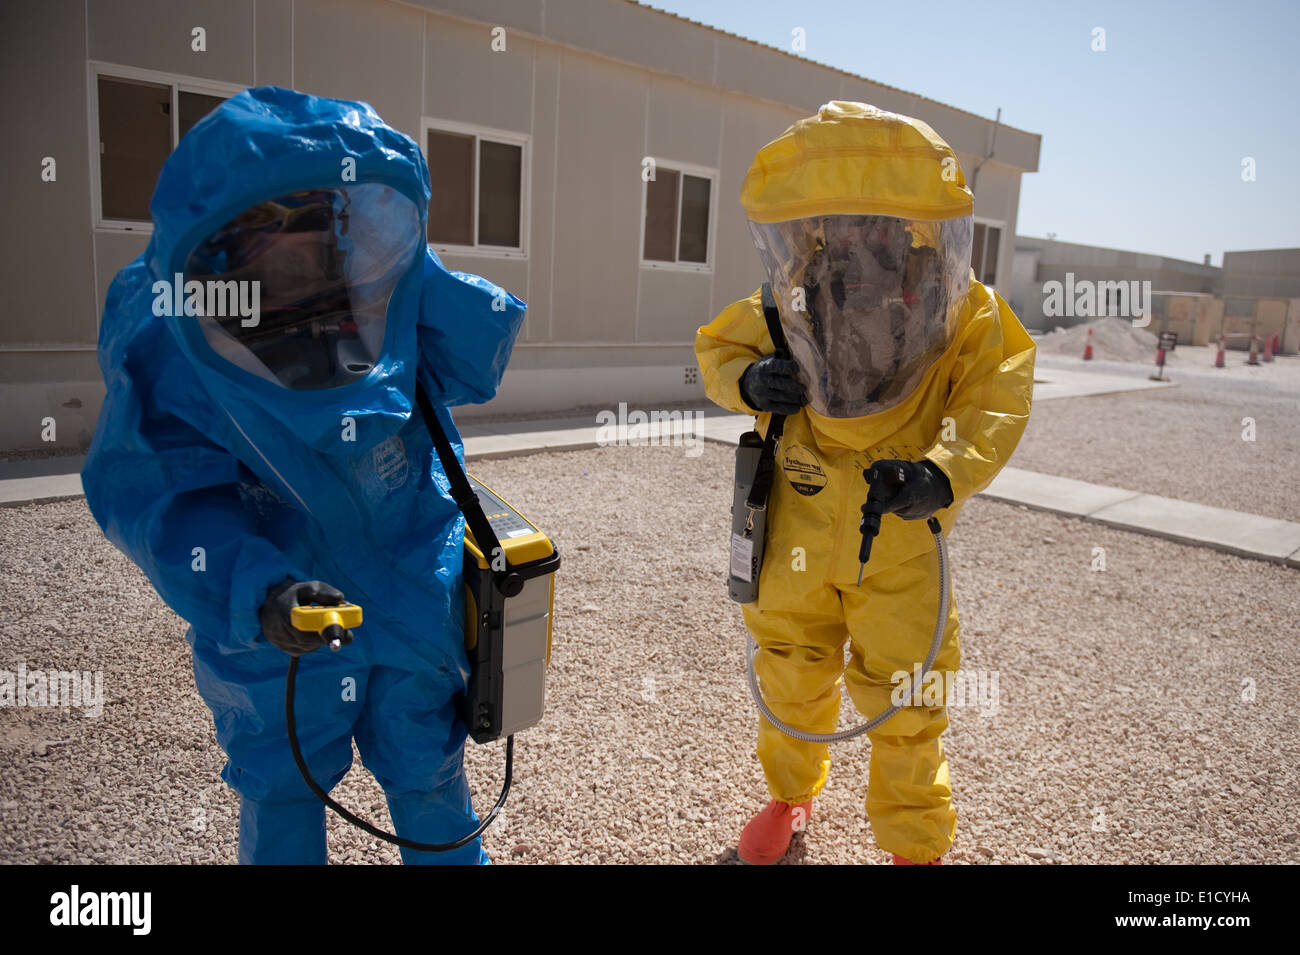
(326, 262)
(868, 303)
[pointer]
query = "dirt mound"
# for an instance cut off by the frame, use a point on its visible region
(1113, 339)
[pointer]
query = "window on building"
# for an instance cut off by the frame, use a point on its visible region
(135, 136)
(984, 252)
(140, 123)
(451, 171)
(677, 213)
(478, 189)
(193, 107)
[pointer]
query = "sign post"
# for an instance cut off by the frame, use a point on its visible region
(1168, 342)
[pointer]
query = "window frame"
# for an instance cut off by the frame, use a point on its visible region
(504, 137)
(1001, 226)
(178, 83)
(682, 169)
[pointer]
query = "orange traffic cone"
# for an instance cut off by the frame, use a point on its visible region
(1087, 350)
(1254, 351)
(1268, 348)
(1218, 359)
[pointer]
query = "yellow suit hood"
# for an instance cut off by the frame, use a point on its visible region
(855, 159)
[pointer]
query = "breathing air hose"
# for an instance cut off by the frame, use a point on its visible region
(941, 549)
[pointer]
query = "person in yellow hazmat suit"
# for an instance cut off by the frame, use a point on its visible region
(906, 370)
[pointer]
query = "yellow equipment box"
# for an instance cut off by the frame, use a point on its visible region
(508, 638)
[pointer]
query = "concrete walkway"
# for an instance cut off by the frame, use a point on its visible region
(40, 480)
(508, 439)
(1052, 381)
(1249, 535)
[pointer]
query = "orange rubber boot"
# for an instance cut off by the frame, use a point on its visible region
(766, 839)
(899, 860)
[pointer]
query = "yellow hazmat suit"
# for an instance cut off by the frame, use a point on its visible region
(966, 415)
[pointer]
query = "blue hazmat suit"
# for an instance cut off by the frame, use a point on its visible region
(220, 480)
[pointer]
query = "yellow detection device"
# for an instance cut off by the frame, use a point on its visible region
(508, 638)
(329, 622)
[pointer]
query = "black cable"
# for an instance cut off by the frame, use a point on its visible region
(289, 688)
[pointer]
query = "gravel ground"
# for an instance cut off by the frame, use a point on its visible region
(1185, 442)
(1144, 714)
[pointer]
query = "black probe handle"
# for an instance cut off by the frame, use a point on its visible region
(872, 511)
(869, 527)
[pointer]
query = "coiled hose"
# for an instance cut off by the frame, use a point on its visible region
(941, 548)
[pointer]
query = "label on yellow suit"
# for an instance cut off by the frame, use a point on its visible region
(803, 469)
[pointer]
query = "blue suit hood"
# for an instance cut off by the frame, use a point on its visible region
(264, 143)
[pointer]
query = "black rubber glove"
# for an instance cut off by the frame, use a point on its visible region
(772, 384)
(279, 604)
(911, 489)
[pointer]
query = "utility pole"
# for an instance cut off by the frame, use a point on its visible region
(993, 144)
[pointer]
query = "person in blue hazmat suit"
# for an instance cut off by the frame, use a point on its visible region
(254, 459)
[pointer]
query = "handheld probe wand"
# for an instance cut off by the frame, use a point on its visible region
(872, 511)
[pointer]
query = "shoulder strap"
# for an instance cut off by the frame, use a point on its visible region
(463, 494)
(772, 315)
(762, 486)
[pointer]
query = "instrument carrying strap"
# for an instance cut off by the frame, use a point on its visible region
(461, 491)
(762, 486)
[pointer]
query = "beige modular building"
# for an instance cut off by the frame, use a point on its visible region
(1038, 262)
(1195, 317)
(540, 120)
(1253, 294)
(1259, 319)
(1261, 291)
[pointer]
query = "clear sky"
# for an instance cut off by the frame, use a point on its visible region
(1142, 144)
